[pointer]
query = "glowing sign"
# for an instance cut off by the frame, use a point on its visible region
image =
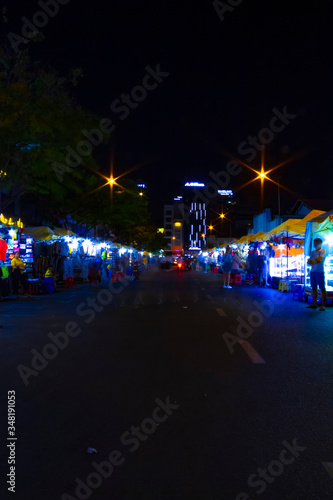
(225, 192)
(194, 184)
(9, 221)
(178, 224)
(141, 185)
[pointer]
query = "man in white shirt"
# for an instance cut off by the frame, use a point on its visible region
(317, 260)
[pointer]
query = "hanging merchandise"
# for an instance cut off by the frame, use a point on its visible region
(3, 248)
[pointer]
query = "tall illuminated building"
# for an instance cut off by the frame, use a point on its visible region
(194, 218)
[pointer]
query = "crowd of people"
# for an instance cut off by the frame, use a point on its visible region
(232, 263)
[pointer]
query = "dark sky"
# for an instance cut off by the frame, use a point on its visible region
(224, 80)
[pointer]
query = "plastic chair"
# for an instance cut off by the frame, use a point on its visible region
(284, 286)
(48, 285)
(249, 279)
(298, 291)
(115, 278)
(237, 279)
(33, 286)
(69, 282)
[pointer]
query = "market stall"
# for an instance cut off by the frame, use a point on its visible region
(287, 261)
(12, 240)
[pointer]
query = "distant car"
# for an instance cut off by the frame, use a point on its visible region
(184, 264)
(187, 264)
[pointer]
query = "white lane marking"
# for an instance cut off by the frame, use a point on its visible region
(252, 353)
(220, 311)
(329, 468)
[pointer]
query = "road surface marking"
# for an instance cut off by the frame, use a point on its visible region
(220, 311)
(252, 353)
(329, 468)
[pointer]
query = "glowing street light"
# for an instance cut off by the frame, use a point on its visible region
(210, 228)
(140, 194)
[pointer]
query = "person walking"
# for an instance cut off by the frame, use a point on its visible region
(316, 261)
(18, 269)
(227, 266)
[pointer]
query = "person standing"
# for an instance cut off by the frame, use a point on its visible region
(316, 261)
(18, 268)
(227, 266)
(261, 264)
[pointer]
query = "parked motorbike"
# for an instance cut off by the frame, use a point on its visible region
(136, 274)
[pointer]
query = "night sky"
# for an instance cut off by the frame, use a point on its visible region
(224, 80)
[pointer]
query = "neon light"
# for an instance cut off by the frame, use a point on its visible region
(225, 192)
(194, 184)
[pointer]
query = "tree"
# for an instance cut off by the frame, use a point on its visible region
(41, 127)
(119, 214)
(147, 238)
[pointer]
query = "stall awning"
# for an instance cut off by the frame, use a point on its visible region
(60, 231)
(249, 238)
(293, 227)
(41, 233)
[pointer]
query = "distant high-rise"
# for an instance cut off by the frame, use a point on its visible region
(194, 217)
(168, 223)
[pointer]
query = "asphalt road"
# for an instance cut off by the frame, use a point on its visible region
(178, 399)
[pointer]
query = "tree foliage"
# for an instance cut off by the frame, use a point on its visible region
(39, 119)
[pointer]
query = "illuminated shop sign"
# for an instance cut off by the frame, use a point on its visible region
(194, 184)
(225, 192)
